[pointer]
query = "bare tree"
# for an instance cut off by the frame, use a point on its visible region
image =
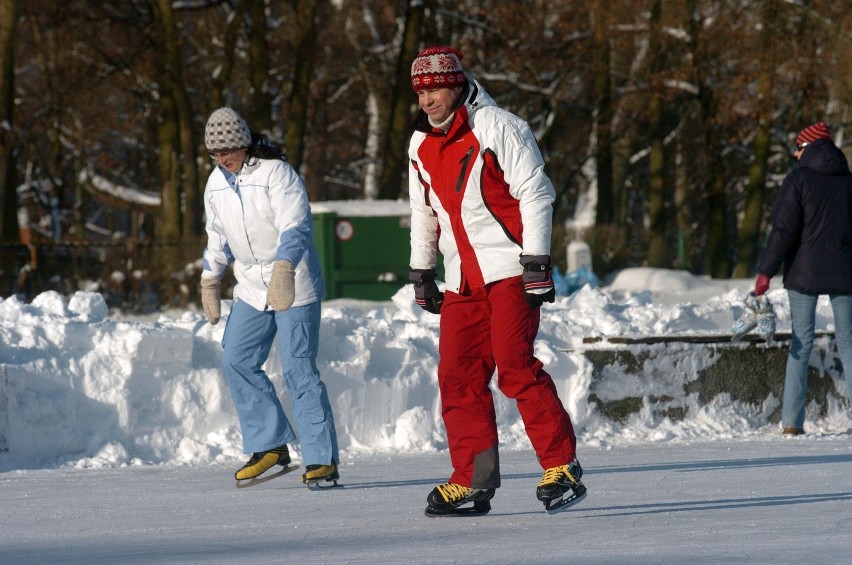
(671, 119)
(8, 195)
(657, 194)
(750, 229)
(305, 26)
(259, 115)
(396, 137)
(178, 150)
(713, 216)
(221, 75)
(606, 208)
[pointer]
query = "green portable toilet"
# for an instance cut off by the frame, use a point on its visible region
(364, 246)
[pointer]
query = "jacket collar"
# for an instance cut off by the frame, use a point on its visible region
(473, 98)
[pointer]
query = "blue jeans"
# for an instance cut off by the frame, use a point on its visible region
(247, 343)
(803, 315)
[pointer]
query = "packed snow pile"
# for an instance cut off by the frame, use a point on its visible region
(81, 388)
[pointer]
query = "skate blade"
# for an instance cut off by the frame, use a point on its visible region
(743, 332)
(563, 504)
(254, 481)
(456, 512)
(320, 485)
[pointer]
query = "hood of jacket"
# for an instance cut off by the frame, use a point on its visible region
(824, 157)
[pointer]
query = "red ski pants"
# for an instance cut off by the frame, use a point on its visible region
(492, 328)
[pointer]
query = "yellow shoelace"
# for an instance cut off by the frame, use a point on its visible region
(452, 491)
(552, 475)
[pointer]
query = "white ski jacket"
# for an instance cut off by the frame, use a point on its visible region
(254, 218)
(478, 193)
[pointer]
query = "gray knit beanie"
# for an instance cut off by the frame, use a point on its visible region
(226, 130)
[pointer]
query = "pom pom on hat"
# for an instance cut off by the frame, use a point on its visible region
(226, 130)
(437, 67)
(819, 130)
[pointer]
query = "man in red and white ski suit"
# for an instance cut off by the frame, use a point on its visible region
(479, 194)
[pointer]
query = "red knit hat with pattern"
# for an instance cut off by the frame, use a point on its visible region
(819, 130)
(437, 67)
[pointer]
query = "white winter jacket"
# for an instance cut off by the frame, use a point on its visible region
(478, 193)
(255, 217)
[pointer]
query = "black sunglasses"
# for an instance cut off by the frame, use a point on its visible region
(801, 146)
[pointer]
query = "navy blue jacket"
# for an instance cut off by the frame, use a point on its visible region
(812, 224)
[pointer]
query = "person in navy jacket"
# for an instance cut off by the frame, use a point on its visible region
(812, 238)
(258, 217)
(480, 196)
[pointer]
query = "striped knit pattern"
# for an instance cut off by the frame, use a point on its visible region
(819, 130)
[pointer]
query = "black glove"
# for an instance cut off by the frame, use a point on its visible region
(537, 279)
(426, 292)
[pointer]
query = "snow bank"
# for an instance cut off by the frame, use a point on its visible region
(82, 389)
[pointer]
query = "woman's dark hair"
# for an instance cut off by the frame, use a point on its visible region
(262, 148)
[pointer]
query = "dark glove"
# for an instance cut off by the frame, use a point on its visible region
(426, 292)
(761, 285)
(537, 279)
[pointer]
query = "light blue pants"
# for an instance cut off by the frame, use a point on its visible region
(247, 342)
(803, 316)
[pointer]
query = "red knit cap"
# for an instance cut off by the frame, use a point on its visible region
(819, 130)
(437, 67)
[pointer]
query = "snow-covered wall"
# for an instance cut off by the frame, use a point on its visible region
(677, 379)
(84, 389)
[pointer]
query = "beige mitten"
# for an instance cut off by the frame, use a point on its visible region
(211, 302)
(282, 286)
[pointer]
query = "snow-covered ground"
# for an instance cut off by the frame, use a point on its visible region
(120, 442)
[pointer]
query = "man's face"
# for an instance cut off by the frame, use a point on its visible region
(438, 103)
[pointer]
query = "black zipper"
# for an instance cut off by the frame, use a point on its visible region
(464, 162)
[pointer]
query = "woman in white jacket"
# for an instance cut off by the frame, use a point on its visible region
(258, 217)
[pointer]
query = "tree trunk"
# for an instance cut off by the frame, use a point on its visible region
(168, 131)
(656, 182)
(712, 214)
(259, 112)
(297, 117)
(184, 151)
(681, 201)
(621, 152)
(394, 154)
(9, 10)
(750, 230)
(656, 186)
(605, 212)
(221, 79)
(371, 150)
(55, 107)
(169, 228)
(717, 261)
